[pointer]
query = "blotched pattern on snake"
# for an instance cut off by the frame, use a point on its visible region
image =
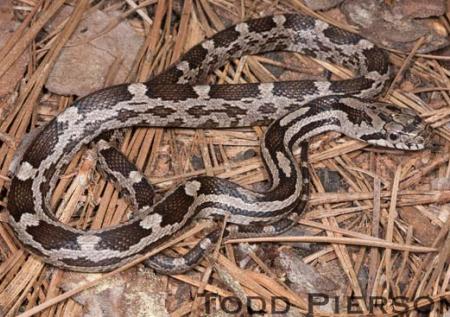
(301, 109)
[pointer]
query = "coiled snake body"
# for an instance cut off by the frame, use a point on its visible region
(302, 109)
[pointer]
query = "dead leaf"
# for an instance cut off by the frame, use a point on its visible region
(391, 28)
(83, 68)
(132, 293)
(423, 229)
(420, 8)
(322, 4)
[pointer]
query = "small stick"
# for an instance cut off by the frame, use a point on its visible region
(406, 64)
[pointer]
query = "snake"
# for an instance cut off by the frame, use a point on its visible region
(294, 111)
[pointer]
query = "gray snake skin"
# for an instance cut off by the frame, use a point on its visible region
(302, 109)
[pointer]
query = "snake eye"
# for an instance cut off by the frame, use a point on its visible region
(393, 136)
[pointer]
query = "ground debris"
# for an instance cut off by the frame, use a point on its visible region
(96, 55)
(136, 292)
(322, 4)
(377, 220)
(14, 74)
(395, 27)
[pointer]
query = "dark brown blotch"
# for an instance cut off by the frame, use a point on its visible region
(299, 22)
(339, 36)
(174, 207)
(377, 60)
(169, 92)
(120, 238)
(294, 89)
(195, 56)
(20, 198)
(261, 25)
(161, 111)
(234, 92)
(268, 108)
(53, 237)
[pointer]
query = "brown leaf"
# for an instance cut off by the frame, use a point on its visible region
(84, 65)
(392, 28)
(423, 229)
(132, 293)
(420, 8)
(322, 4)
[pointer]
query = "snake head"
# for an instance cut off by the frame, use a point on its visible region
(399, 128)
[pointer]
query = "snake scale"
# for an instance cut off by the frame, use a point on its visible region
(295, 110)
